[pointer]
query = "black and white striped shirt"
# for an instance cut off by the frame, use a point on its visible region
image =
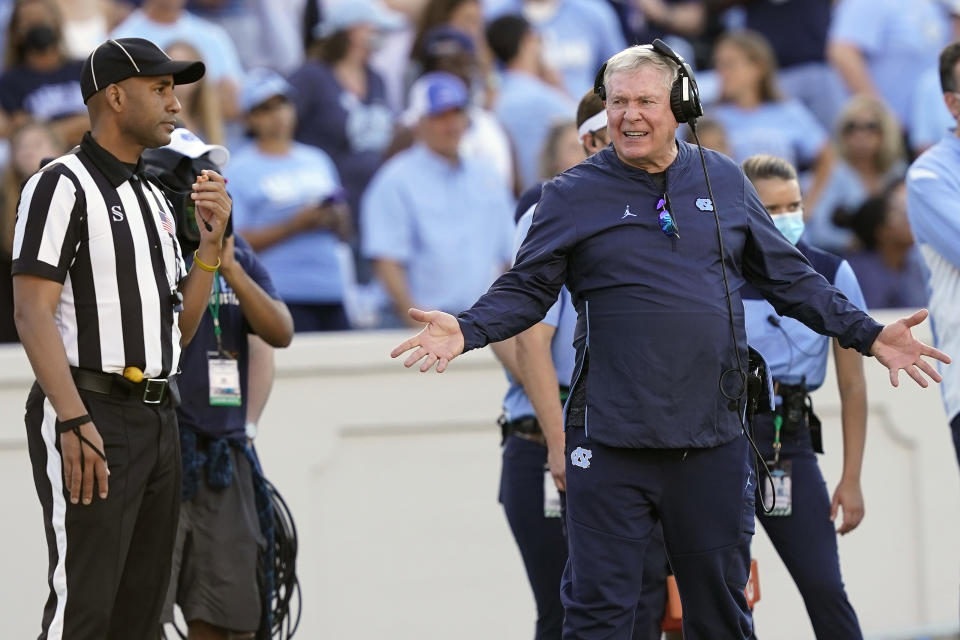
(97, 226)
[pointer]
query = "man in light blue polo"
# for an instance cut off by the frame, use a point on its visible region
(881, 47)
(526, 106)
(933, 195)
(578, 35)
(437, 226)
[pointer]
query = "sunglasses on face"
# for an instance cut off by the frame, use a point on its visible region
(853, 125)
(667, 224)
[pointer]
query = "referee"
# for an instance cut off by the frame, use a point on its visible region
(103, 305)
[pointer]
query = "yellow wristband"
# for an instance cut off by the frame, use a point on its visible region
(203, 265)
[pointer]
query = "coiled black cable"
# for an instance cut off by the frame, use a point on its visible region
(287, 602)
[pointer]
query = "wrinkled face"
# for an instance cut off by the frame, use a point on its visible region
(779, 196)
(738, 73)
(639, 120)
(150, 110)
(442, 133)
(274, 118)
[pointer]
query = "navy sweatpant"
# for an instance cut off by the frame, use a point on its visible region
(544, 548)
(806, 539)
(955, 428)
(704, 499)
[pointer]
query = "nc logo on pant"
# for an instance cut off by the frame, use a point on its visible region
(580, 457)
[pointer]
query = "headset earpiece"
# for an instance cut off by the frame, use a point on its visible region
(598, 87)
(684, 94)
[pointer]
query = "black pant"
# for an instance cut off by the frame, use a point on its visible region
(318, 317)
(704, 499)
(543, 545)
(955, 429)
(806, 540)
(109, 561)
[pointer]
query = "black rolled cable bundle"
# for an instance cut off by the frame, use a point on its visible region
(286, 603)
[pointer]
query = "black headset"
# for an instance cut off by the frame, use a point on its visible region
(684, 94)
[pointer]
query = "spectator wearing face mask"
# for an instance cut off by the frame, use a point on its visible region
(39, 81)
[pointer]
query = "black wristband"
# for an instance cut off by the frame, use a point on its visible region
(71, 424)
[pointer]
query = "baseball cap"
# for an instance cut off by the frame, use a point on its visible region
(435, 93)
(444, 41)
(343, 14)
(117, 60)
(187, 143)
(260, 85)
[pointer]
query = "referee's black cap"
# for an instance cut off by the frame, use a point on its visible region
(123, 58)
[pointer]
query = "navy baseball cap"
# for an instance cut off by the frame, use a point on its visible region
(435, 93)
(117, 60)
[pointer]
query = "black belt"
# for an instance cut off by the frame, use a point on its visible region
(527, 428)
(148, 391)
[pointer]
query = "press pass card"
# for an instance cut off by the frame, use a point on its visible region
(782, 489)
(224, 382)
(551, 496)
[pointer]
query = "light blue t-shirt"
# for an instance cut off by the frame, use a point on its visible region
(563, 317)
(268, 189)
(527, 107)
(450, 225)
(211, 40)
(930, 119)
(785, 129)
(794, 352)
(577, 39)
(898, 39)
(933, 191)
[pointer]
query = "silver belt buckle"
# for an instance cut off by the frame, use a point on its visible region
(153, 390)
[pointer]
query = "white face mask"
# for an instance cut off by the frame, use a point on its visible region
(790, 224)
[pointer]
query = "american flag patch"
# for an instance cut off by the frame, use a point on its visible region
(165, 222)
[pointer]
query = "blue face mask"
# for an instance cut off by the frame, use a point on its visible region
(790, 225)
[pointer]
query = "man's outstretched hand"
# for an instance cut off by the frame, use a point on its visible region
(439, 342)
(896, 348)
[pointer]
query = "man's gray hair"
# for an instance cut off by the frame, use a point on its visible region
(638, 56)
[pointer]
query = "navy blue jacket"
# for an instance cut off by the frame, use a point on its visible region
(652, 312)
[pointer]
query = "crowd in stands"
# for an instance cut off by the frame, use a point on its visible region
(378, 147)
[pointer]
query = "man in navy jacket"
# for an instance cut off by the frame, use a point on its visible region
(651, 431)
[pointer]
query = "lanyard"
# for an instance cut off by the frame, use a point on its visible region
(777, 424)
(214, 307)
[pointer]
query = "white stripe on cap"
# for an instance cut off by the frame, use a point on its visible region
(93, 71)
(129, 57)
(594, 123)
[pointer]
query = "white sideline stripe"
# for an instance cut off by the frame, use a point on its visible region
(58, 517)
